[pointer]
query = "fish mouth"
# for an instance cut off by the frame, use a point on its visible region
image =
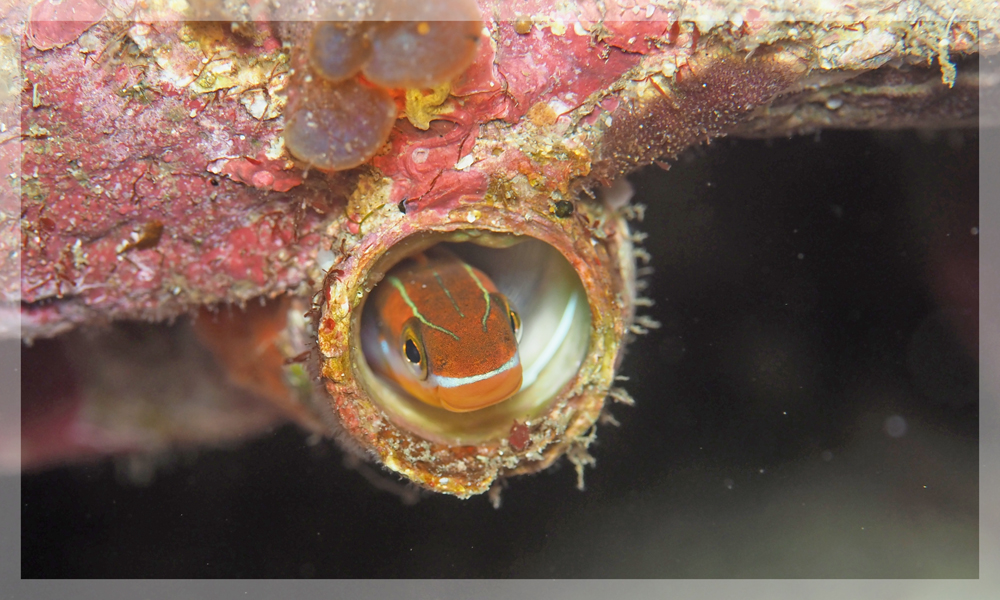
(556, 336)
(482, 392)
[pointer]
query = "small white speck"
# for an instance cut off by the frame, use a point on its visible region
(895, 426)
(193, 113)
(324, 259)
(444, 480)
(419, 155)
(834, 103)
(464, 163)
(471, 218)
(974, 231)
(800, 256)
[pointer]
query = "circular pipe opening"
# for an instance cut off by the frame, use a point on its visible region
(556, 329)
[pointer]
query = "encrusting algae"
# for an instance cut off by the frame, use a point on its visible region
(191, 167)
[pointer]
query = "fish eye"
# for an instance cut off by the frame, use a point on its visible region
(411, 352)
(515, 319)
(515, 322)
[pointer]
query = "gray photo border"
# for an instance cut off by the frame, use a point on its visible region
(10, 325)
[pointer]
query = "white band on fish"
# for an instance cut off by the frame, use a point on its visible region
(453, 382)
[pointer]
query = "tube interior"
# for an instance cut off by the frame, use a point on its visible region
(556, 326)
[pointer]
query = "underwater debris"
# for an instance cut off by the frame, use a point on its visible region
(538, 113)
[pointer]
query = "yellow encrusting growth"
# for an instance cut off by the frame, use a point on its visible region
(423, 108)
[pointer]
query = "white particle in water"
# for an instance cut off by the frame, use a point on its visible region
(895, 426)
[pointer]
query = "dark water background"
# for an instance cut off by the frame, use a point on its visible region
(808, 409)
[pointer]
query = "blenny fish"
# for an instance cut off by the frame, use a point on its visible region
(445, 334)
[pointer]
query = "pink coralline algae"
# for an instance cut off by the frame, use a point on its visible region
(134, 142)
(54, 24)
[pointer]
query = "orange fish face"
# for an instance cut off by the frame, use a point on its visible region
(446, 335)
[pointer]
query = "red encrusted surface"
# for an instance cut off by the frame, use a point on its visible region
(103, 160)
(114, 149)
(118, 142)
(537, 68)
(55, 23)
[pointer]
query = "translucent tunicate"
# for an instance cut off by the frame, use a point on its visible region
(338, 50)
(421, 54)
(340, 126)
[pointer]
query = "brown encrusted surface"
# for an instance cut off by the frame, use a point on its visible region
(708, 97)
(886, 98)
